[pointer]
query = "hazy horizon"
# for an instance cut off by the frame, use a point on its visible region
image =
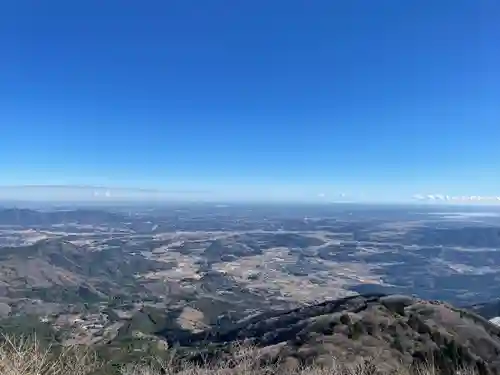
(87, 194)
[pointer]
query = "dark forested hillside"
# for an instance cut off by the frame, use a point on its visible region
(391, 328)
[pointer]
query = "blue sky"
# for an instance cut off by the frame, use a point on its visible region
(253, 99)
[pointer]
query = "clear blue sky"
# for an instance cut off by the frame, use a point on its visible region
(253, 98)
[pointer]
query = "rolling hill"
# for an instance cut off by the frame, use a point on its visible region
(394, 329)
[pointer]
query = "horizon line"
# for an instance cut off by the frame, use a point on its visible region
(100, 187)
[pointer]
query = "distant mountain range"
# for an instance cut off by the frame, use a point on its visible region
(29, 217)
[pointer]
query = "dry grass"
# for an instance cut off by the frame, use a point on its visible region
(26, 357)
(23, 356)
